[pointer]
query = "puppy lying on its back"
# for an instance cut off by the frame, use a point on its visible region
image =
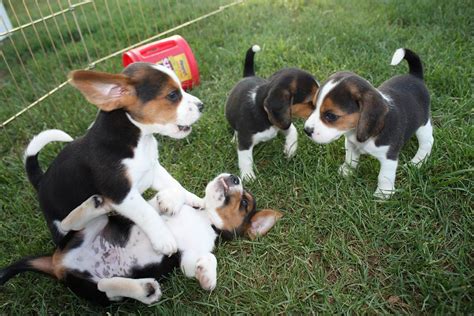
(110, 257)
(258, 108)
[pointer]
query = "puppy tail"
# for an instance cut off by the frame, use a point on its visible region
(33, 169)
(414, 62)
(248, 65)
(40, 264)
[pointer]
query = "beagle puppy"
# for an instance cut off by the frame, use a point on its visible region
(118, 156)
(106, 257)
(257, 109)
(375, 121)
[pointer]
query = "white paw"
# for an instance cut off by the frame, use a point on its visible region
(345, 170)
(150, 291)
(247, 175)
(163, 241)
(290, 149)
(206, 272)
(170, 201)
(417, 161)
(383, 194)
(195, 201)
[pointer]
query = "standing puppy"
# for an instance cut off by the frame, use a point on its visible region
(257, 109)
(118, 156)
(374, 121)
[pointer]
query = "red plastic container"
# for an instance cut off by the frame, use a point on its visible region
(172, 52)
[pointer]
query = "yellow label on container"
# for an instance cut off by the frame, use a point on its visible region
(179, 64)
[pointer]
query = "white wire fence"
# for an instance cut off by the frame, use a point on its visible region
(42, 40)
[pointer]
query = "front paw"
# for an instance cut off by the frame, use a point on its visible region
(150, 291)
(164, 242)
(383, 194)
(345, 170)
(195, 201)
(247, 175)
(417, 162)
(290, 149)
(206, 272)
(170, 201)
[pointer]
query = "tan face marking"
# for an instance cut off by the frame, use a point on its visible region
(234, 212)
(161, 109)
(304, 109)
(142, 90)
(345, 121)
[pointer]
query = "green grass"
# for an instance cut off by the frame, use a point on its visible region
(336, 249)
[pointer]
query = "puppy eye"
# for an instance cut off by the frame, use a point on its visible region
(173, 96)
(330, 117)
(244, 203)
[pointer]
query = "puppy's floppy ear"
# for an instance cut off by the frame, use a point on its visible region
(277, 105)
(373, 109)
(305, 109)
(261, 222)
(107, 91)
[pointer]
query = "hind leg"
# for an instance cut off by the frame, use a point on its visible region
(202, 266)
(90, 209)
(424, 134)
(144, 290)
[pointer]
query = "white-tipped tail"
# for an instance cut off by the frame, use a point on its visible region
(397, 56)
(44, 138)
(255, 48)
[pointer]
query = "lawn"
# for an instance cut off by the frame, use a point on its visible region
(336, 249)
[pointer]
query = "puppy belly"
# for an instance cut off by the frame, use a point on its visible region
(104, 259)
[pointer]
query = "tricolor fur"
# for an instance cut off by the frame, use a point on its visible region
(375, 121)
(110, 257)
(117, 157)
(257, 109)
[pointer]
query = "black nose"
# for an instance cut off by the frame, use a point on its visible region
(200, 106)
(234, 180)
(309, 131)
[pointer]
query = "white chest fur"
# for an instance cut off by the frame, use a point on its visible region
(368, 147)
(141, 168)
(192, 230)
(265, 135)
